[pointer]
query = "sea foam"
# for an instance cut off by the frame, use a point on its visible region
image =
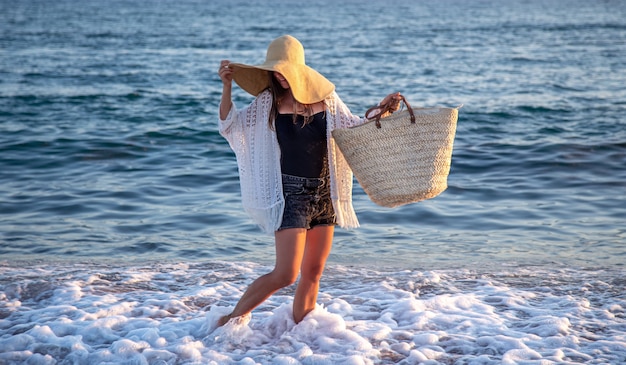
(167, 314)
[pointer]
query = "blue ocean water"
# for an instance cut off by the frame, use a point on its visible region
(120, 217)
(109, 147)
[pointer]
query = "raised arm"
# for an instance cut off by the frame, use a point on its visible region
(226, 74)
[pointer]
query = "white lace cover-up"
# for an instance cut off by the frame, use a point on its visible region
(258, 158)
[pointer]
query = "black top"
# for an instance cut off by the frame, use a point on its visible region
(303, 146)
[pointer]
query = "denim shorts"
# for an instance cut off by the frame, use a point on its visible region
(307, 202)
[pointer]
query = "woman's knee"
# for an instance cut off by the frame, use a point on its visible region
(284, 278)
(312, 273)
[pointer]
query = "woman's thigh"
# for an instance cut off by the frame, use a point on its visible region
(290, 245)
(319, 242)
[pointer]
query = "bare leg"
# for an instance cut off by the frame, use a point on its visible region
(290, 245)
(319, 241)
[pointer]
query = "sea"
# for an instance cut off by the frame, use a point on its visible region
(123, 238)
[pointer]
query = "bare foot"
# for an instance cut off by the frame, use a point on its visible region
(223, 320)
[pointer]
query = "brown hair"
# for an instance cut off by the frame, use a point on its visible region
(277, 93)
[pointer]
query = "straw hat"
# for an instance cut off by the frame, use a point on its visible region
(286, 56)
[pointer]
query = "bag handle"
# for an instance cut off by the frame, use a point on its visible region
(384, 108)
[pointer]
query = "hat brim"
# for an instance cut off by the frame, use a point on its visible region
(307, 85)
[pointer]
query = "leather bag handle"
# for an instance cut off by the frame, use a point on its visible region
(384, 108)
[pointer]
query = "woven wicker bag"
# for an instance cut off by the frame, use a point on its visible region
(403, 158)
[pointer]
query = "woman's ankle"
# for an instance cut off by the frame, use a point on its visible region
(224, 319)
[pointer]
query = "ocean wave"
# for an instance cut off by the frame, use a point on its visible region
(166, 313)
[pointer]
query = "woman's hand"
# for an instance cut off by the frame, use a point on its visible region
(393, 100)
(225, 72)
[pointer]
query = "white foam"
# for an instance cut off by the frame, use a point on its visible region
(167, 314)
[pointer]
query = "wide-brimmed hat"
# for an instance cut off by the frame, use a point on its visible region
(286, 56)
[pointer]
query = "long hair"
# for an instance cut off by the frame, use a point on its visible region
(277, 93)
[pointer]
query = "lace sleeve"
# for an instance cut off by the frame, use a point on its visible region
(344, 117)
(226, 124)
(239, 125)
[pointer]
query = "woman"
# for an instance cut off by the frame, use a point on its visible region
(295, 183)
